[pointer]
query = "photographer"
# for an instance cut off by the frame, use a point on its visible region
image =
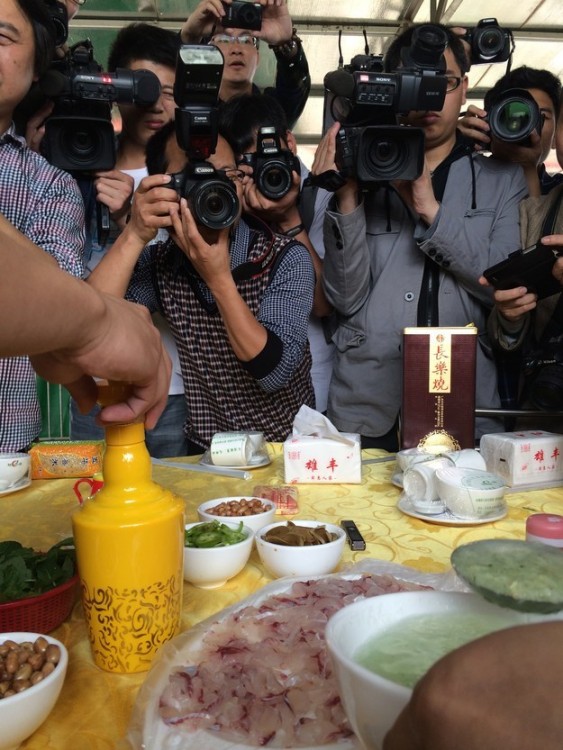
(41, 201)
(531, 152)
(240, 48)
(410, 253)
(273, 192)
(237, 298)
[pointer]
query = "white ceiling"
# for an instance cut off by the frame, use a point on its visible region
(537, 26)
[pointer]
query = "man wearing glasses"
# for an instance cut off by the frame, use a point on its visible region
(237, 299)
(410, 253)
(240, 49)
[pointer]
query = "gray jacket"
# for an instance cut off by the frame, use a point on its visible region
(373, 270)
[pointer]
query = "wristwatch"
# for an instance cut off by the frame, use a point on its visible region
(287, 49)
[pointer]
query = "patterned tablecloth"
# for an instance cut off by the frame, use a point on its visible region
(94, 708)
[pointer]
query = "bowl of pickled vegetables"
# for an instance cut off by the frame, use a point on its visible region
(215, 551)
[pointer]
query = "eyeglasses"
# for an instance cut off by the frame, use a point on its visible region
(234, 175)
(79, 2)
(452, 83)
(245, 39)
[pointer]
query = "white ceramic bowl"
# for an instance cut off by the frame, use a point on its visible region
(254, 522)
(470, 493)
(371, 702)
(211, 567)
(13, 467)
(23, 713)
(319, 559)
(410, 456)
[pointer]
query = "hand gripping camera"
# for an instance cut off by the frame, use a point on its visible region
(371, 146)
(211, 196)
(272, 165)
(242, 15)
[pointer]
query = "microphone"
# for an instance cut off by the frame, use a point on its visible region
(340, 83)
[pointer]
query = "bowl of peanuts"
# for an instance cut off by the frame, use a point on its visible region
(254, 512)
(32, 672)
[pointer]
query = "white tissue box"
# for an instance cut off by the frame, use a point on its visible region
(526, 457)
(314, 460)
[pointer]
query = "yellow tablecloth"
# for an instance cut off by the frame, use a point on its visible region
(94, 708)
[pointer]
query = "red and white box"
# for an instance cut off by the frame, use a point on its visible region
(316, 460)
(529, 457)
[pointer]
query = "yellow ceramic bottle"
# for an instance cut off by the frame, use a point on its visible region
(129, 545)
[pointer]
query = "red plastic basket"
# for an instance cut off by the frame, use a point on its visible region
(42, 613)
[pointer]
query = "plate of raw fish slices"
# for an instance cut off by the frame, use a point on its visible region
(258, 673)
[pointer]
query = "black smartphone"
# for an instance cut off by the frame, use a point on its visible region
(531, 267)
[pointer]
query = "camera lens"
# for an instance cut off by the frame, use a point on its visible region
(385, 157)
(214, 204)
(546, 391)
(274, 180)
(427, 46)
(490, 43)
(515, 117)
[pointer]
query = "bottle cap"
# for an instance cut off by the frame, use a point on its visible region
(547, 525)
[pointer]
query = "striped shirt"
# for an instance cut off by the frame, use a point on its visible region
(44, 203)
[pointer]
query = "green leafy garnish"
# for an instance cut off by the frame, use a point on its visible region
(25, 572)
(213, 534)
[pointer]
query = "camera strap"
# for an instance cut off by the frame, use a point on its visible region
(427, 311)
(554, 326)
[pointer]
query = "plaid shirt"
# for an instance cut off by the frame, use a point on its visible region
(44, 203)
(220, 393)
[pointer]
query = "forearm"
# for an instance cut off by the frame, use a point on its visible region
(36, 298)
(247, 335)
(113, 274)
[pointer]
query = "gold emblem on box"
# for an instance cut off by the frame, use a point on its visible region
(438, 441)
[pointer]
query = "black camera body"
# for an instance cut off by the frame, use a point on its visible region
(272, 165)
(489, 42)
(79, 135)
(59, 17)
(371, 145)
(514, 117)
(543, 376)
(211, 196)
(242, 15)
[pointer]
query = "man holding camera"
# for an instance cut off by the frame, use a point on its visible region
(409, 253)
(235, 28)
(41, 201)
(236, 296)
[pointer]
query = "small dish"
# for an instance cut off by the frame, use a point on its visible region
(258, 462)
(21, 485)
(446, 518)
(254, 521)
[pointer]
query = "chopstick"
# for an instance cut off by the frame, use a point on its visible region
(236, 473)
(380, 460)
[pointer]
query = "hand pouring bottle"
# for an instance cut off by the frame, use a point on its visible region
(129, 541)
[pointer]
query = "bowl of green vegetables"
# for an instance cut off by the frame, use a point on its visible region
(215, 551)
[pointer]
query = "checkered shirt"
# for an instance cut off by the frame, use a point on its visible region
(44, 203)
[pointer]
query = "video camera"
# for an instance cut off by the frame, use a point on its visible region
(59, 16)
(371, 145)
(489, 42)
(272, 165)
(242, 15)
(211, 196)
(79, 135)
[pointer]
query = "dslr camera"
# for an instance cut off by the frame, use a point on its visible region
(514, 117)
(489, 42)
(371, 146)
(211, 196)
(242, 15)
(79, 135)
(543, 376)
(272, 165)
(59, 17)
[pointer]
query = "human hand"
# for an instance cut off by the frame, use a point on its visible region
(125, 346)
(207, 249)
(516, 670)
(474, 126)
(201, 22)
(419, 195)
(325, 161)
(554, 240)
(512, 304)
(529, 155)
(283, 211)
(151, 206)
(35, 129)
(115, 190)
(276, 22)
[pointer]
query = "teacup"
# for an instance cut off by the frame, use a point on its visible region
(231, 449)
(13, 468)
